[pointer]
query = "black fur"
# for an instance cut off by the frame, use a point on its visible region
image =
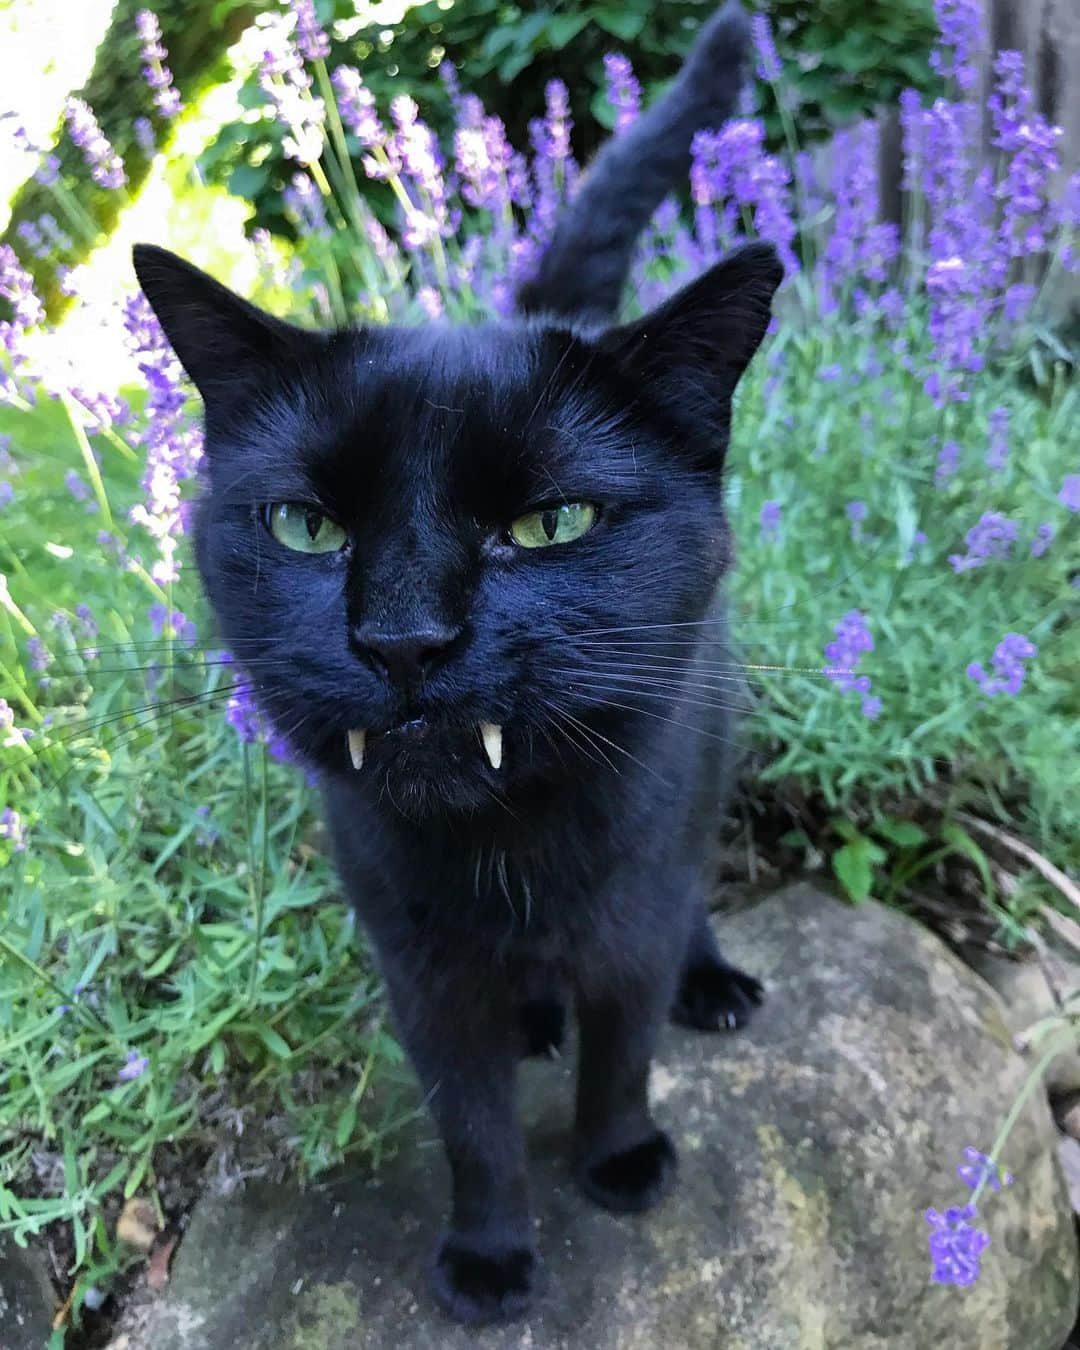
(581, 864)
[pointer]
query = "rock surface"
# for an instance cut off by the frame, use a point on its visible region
(1028, 997)
(27, 1298)
(810, 1146)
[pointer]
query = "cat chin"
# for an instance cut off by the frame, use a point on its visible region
(422, 793)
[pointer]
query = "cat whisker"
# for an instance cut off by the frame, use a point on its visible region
(677, 673)
(621, 749)
(668, 694)
(688, 726)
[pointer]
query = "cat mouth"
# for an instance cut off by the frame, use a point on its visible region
(418, 729)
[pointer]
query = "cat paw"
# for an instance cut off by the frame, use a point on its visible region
(476, 1286)
(632, 1180)
(714, 996)
(543, 1026)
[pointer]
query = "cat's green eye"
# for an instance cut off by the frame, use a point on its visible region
(304, 529)
(556, 525)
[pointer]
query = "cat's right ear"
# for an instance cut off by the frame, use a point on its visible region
(223, 342)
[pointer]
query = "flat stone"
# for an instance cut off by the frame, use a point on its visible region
(27, 1298)
(811, 1146)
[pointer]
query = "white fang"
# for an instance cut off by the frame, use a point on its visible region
(357, 737)
(491, 735)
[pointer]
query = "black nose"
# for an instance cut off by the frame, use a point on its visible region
(408, 656)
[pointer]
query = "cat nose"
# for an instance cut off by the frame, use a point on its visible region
(406, 657)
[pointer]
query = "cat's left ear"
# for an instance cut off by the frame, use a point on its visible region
(223, 342)
(702, 338)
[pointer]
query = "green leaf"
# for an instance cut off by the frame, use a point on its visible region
(621, 23)
(164, 961)
(563, 28)
(214, 1026)
(345, 1126)
(275, 1043)
(217, 1057)
(853, 868)
(903, 833)
(248, 180)
(959, 840)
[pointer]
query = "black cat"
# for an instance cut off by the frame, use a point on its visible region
(473, 575)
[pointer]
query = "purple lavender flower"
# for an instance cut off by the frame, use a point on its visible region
(26, 312)
(304, 201)
(104, 163)
(1008, 662)
(144, 136)
(768, 66)
(623, 90)
(287, 85)
(1028, 142)
(77, 486)
(960, 23)
(998, 454)
(7, 493)
(948, 461)
(85, 618)
(134, 1067)
(430, 302)
(1044, 537)
(771, 513)
(13, 829)
(483, 157)
(155, 72)
(731, 170)
(852, 640)
(1069, 496)
(356, 104)
(242, 715)
(39, 656)
(48, 171)
(856, 513)
(310, 38)
(955, 1245)
(981, 1170)
(205, 835)
(860, 247)
(176, 623)
(992, 537)
(417, 151)
(172, 439)
(31, 236)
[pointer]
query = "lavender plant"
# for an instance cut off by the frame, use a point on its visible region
(905, 486)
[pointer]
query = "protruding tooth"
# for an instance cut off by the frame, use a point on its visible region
(491, 735)
(357, 737)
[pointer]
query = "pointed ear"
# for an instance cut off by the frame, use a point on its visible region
(702, 338)
(223, 342)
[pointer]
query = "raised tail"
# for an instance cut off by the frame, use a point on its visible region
(584, 268)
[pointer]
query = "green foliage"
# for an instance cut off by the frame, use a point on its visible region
(843, 59)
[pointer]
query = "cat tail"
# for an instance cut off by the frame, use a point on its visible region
(583, 270)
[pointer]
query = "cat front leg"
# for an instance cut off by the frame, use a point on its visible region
(463, 1043)
(622, 1160)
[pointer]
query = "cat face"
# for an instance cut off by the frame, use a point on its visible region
(421, 543)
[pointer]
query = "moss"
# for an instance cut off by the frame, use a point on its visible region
(327, 1316)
